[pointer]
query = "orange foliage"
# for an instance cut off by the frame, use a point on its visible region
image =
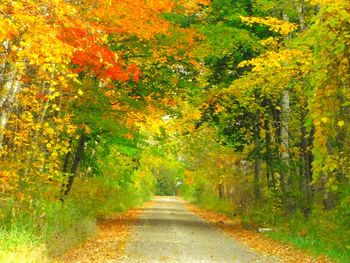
(135, 17)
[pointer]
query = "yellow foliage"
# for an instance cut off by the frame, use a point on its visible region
(341, 123)
(273, 23)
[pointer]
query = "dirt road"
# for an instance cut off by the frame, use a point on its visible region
(168, 232)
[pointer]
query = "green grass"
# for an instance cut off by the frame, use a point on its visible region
(65, 226)
(320, 235)
(46, 229)
(38, 229)
(325, 233)
(21, 245)
(314, 244)
(209, 202)
(216, 205)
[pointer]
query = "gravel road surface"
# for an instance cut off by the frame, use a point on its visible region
(168, 232)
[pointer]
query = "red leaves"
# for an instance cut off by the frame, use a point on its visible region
(41, 97)
(131, 72)
(95, 58)
(117, 73)
(134, 71)
(76, 37)
(98, 59)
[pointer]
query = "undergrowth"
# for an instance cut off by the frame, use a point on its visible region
(321, 234)
(40, 229)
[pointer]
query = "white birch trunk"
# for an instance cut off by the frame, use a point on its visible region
(285, 103)
(11, 88)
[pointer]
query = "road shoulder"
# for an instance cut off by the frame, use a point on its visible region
(256, 241)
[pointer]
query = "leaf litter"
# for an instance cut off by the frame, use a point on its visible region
(255, 240)
(109, 243)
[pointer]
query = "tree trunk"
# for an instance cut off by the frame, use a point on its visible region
(66, 160)
(269, 165)
(221, 190)
(300, 10)
(11, 88)
(285, 129)
(4, 116)
(257, 167)
(306, 166)
(285, 115)
(77, 157)
(306, 143)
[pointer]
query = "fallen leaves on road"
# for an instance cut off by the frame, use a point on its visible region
(255, 240)
(109, 243)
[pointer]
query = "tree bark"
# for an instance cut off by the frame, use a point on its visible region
(269, 165)
(306, 166)
(74, 168)
(257, 167)
(300, 10)
(285, 115)
(11, 88)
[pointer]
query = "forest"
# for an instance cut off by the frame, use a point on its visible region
(241, 107)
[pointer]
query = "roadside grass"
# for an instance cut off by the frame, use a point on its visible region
(214, 204)
(65, 226)
(207, 201)
(323, 234)
(314, 244)
(45, 229)
(40, 229)
(20, 245)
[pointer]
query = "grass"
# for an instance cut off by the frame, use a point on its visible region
(65, 227)
(211, 203)
(314, 244)
(323, 234)
(21, 245)
(47, 229)
(39, 229)
(320, 235)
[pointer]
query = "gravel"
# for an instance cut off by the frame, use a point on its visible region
(168, 232)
